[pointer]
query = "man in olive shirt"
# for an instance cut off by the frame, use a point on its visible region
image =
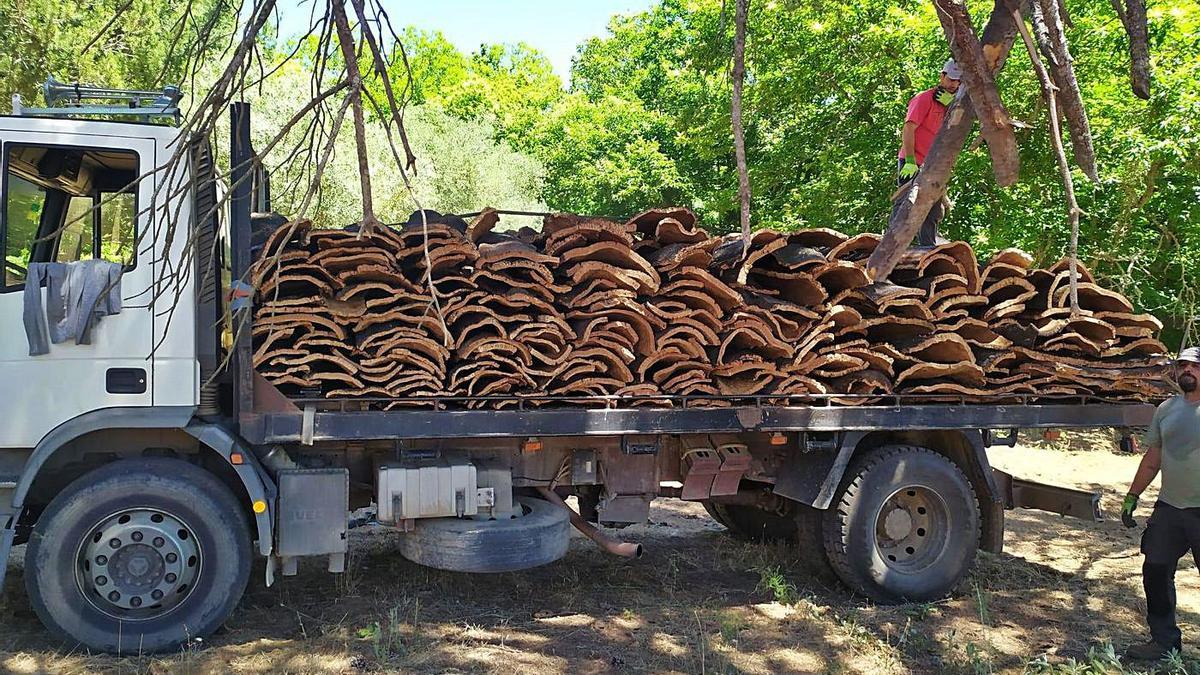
(1172, 446)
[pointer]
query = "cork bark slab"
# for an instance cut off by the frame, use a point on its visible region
(589, 307)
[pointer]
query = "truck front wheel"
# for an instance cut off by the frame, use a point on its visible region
(139, 556)
(904, 525)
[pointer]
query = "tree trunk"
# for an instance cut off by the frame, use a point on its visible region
(911, 206)
(739, 134)
(994, 122)
(1062, 74)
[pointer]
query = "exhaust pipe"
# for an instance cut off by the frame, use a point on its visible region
(622, 548)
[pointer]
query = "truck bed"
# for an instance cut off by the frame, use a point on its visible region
(310, 420)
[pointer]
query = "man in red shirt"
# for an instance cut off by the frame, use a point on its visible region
(924, 119)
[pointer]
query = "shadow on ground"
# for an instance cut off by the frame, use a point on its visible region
(698, 601)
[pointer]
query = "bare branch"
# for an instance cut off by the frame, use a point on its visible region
(346, 40)
(1073, 211)
(739, 134)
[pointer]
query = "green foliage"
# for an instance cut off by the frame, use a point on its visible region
(1103, 660)
(146, 46)
(828, 84)
(773, 581)
(462, 167)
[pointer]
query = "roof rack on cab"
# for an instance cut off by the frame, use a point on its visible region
(68, 100)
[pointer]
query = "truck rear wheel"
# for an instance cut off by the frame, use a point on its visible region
(139, 556)
(753, 523)
(904, 526)
(798, 525)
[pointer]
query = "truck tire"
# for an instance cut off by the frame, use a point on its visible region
(800, 526)
(538, 537)
(751, 523)
(139, 556)
(904, 525)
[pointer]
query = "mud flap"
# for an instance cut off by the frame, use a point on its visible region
(6, 541)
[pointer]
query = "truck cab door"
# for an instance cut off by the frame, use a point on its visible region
(66, 197)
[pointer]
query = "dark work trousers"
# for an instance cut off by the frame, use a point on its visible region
(1170, 533)
(929, 229)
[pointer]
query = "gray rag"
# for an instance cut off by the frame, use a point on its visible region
(78, 294)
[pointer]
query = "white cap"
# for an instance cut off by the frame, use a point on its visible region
(952, 70)
(1190, 354)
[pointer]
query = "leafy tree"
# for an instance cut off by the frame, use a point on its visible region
(462, 167)
(827, 87)
(149, 43)
(605, 157)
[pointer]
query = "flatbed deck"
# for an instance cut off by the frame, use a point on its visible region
(334, 420)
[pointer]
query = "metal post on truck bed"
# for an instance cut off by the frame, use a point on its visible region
(241, 158)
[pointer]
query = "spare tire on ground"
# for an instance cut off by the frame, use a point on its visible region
(537, 537)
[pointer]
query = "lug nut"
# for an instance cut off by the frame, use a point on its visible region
(157, 595)
(171, 578)
(101, 560)
(159, 542)
(136, 536)
(136, 602)
(101, 580)
(114, 596)
(171, 557)
(114, 543)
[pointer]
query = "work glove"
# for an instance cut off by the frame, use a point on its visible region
(1127, 508)
(944, 97)
(909, 169)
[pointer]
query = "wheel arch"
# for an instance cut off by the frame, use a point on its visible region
(965, 448)
(814, 477)
(169, 428)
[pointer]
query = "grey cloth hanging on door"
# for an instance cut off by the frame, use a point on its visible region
(78, 295)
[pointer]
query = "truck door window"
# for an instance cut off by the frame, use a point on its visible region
(77, 241)
(64, 204)
(118, 212)
(22, 215)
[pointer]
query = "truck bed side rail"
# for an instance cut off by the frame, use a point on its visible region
(338, 420)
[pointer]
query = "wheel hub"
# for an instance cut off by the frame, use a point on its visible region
(138, 564)
(898, 524)
(912, 528)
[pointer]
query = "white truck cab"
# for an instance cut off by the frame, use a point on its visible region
(71, 190)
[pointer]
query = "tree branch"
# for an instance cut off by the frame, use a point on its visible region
(1048, 90)
(994, 122)
(1053, 42)
(739, 134)
(1133, 17)
(346, 41)
(912, 205)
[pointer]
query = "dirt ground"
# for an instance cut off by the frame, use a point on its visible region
(698, 601)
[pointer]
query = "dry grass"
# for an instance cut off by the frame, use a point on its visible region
(697, 602)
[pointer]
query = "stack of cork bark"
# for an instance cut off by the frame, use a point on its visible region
(655, 311)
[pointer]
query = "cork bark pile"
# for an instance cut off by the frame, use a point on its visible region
(593, 312)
